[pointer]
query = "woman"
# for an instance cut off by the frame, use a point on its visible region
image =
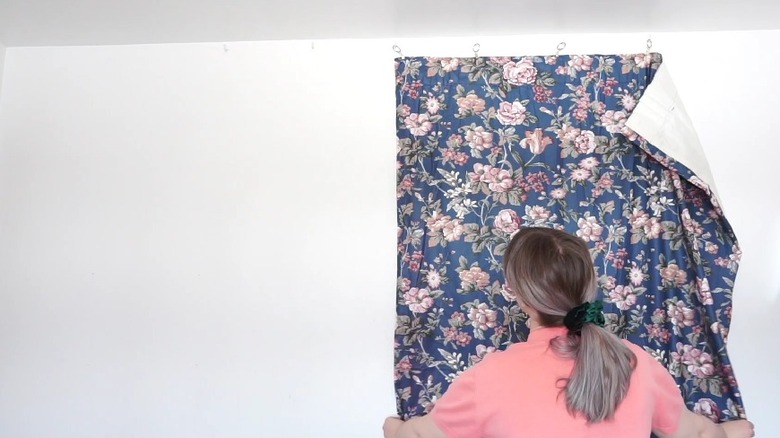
(572, 378)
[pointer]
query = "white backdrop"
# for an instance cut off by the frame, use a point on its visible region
(199, 240)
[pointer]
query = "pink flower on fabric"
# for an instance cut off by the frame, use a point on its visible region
(511, 113)
(568, 132)
(636, 276)
(470, 103)
(628, 102)
(418, 124)
(580, 174)
(433, 279)
(590, 228)
(463, 339)
(403, 368)
(479, 139)
(680, 315)
(498, 180)
(614, 121)
(522, 72)
(558, 193)
(535, 141)
(623, 297)
(579, 63)
(704, 292)
(437, 221)
(507, 221)
(453, 230)
(537, 213)
(720, 329)
(474, 277)
(589, 163)
(482, 317)
(418, 300)
(449, 64)
(691, 225)
(643, 60)
(673, 274)
(585, 142)
(708, 408)
(698, 363)
(432, 105)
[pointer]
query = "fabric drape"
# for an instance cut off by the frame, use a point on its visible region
(488, 145)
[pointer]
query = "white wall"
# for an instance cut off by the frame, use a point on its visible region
(2, 65)
(202, 243)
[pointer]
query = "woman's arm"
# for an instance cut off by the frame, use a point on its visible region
(698, 426)
(419, 427)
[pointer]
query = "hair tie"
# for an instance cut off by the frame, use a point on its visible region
(585, 313)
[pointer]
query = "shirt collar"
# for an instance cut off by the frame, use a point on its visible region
(546, 334)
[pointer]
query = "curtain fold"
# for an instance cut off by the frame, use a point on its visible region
(487, 145)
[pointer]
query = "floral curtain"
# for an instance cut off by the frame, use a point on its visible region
(487, 145)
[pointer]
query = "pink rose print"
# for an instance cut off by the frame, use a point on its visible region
(643, 60)
(418, 300)
(498, 180)
(537, 213)
(511, 113)
(470, 103)
(680, 315)
(614, 121)
(708, 408)
(697, 362)
(590, 229)
(449, 64)
(535, 141)
(585, 142)
(482, 317)
(522, 72)
(580, 63)
(623, 297)
(507, 221)
(474, 277)
(403, 368)
(673, 274)
(418, 124)
(479, 139)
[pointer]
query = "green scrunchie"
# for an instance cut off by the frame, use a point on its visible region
(585, 313)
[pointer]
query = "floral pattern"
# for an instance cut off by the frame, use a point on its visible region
(489, 145)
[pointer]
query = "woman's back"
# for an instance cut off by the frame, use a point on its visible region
(516, 393)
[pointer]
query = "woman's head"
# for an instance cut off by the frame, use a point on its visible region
(550, 271)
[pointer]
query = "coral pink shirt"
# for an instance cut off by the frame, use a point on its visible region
(515, 393)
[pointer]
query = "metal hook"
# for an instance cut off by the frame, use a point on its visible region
(559, 47)
(649, 44)
(397, 49)
(475, 48)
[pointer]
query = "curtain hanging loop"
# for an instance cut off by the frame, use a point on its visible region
(559, 47)
(649, 44)
(476, 48)
(397, 49)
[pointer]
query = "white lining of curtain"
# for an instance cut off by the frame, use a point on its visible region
(661, 119)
